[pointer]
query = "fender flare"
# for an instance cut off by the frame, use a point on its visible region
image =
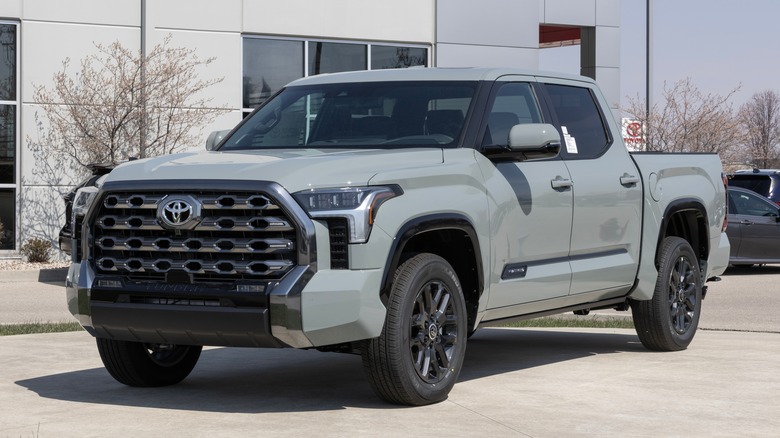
(682, 205)
(422, 224)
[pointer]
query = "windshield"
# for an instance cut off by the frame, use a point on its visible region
(358, 115)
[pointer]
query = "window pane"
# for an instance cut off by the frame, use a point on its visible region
(355, 115)
(7, 215)
(397, 57)
(7, 144)
(580, 121)
(514, 104)
(7, 62)
(268, 66)
(336, 57)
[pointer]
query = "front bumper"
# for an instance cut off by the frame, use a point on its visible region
(302, 310)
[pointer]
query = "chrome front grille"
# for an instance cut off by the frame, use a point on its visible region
(239, 236)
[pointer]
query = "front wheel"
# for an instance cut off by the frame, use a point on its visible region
(418, 356)
(144, 365)
(669, 320)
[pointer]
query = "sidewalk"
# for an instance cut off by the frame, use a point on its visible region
(33, 295)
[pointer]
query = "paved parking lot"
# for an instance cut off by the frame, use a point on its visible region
(515, 382)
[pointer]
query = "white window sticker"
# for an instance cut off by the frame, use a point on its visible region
(571, 143)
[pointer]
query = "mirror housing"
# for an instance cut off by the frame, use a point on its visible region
(215, 138)
(528, 141)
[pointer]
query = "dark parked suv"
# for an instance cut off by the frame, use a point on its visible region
(765, 182)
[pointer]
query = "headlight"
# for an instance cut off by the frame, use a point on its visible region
(81, 202)
(358, 205)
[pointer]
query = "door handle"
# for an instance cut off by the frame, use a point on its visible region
(560, 183)
(628, 180)
(745, 222)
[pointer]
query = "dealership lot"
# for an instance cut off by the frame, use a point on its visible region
(515, 382)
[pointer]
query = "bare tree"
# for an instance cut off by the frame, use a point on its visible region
(689, 121)
(760, 117)
(121, 104)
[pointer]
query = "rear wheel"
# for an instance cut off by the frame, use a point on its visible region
(669, 320)
(142, 364)
(418, 356)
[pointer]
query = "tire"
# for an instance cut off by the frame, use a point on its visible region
(147, 365)
(668, 321)
(419, 354)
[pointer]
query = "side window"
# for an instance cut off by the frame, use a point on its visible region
(750, 205)
(513, 104)
(582, 126)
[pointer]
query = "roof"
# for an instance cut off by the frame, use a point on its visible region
(429, 74)
(757, 172)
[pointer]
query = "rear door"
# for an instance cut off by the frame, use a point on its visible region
(607, 190)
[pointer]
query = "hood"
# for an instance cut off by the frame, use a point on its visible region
(294, 169)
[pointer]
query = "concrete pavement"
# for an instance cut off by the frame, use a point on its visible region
(33, 296)
(515, 382)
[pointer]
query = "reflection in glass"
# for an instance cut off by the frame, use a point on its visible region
(386, 115)
(7, 144)
(7, 215)
(336, 57)
(268, 66)
(383, 57)
(7, 62)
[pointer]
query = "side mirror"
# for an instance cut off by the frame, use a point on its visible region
(528, 141)
(215, 138)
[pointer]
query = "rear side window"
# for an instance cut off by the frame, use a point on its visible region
(581, 123)
(757, 183)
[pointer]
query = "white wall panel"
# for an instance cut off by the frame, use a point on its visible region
(607, 46)
(45, 45)
(222, 15)
(10, 9)
(40, 169)
(42, 213)
(110, 12)
(608, 79)
(409, 21)
(454, 55)
(608, 13)
(225, 47)
(573, 12)
(509, 23)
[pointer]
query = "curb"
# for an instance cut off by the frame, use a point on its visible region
(52, 275)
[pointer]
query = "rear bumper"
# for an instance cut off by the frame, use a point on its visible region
(719, 257)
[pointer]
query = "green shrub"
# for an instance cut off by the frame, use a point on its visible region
(37, 250)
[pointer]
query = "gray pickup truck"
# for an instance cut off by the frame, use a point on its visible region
(391, 214)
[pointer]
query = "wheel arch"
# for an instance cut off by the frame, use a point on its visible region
(686, 218)
(450, 236)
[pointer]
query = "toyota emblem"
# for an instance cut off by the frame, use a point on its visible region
(182, 212)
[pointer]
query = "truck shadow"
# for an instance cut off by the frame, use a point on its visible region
(235, 380)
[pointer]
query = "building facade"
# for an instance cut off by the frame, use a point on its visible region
(259, 46)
